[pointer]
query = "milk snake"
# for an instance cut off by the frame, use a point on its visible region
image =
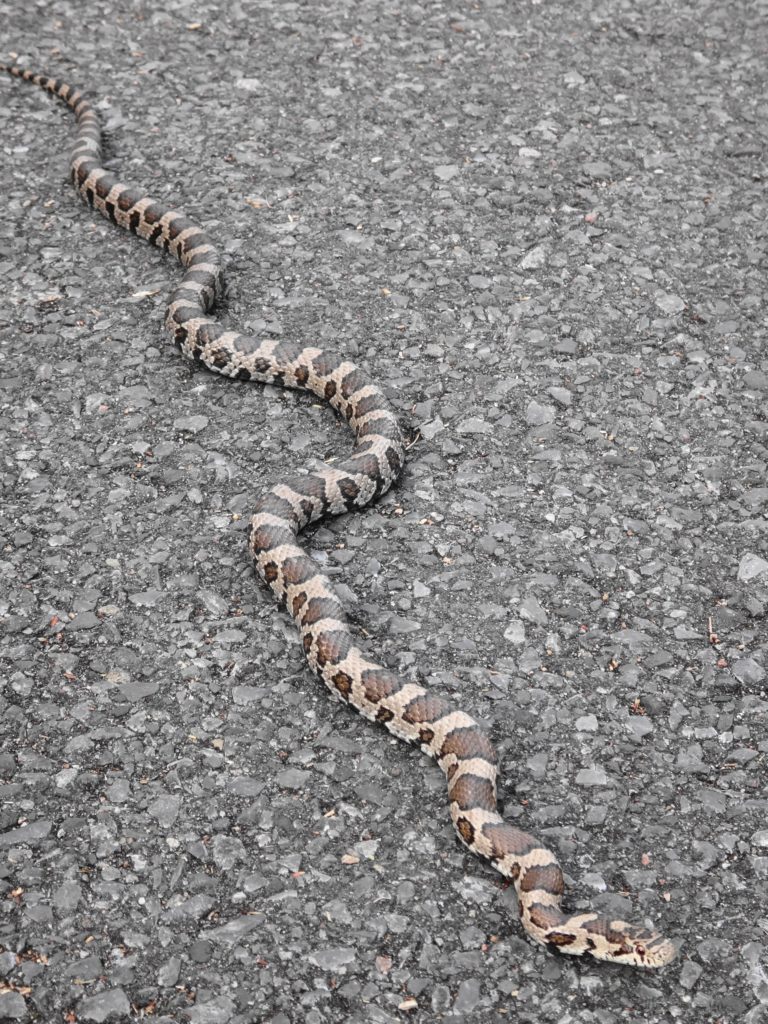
(452, 737)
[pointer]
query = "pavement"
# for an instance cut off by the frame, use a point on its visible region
(541, 226)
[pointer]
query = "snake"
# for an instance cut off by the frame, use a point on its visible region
(461, 747)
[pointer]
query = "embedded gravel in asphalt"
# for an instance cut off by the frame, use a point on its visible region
(542, 228)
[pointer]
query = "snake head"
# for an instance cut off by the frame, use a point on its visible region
(604, 939)
(628, 944)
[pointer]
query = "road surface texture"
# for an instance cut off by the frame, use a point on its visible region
(542, 226)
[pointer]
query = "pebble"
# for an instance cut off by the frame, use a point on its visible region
(533, 260)
(227, 851)
(639, 726)
(587, 723)
(562, 396)
(591, 777)
(748, 671)
(531, 609)
(165, 809)
(474, 425)
(669, 303)
(27, 835)
(236, 929)
(536, 414)
(219, 1010)
(515, 632)
(111, 1004)
(293, 778)
(332, 958)
(445, 172)
(12, 1006)
(690, 973)
(191, 424)
(168, 974)
(468, 996)
(751, 566)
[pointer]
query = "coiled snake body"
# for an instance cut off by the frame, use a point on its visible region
(452, 737)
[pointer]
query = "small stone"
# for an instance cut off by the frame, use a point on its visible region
(531, 609)
(190, 424)
(638, 726)
(756, 496)
(515, 632)
(227, 851)
(165, 809)
(235, 930)
(756, 379)
(537, 414)
(537, 764)
(446, 171)
(479, 281)
(474, 425)
(110, 1005)
(669, 304)
(200, 951)
(12, 1006)
(85, 620)
(27, 834)
(468, 996)
(432, 428)
(213, 602)
(332, 958)
(760, 838)
(742, 755)
(168, 974)
(690, 974)
(591, 777)
(249, 84)
(367, 848)
(139, 689)
(420, 590)
(596, 814)
(65, 777)
(243, 785)
(750, 566)
(441, 998)
(67, 896)
(598, 169)
(216, 1011)
(595, 881)
(353, 237)
(561, 395)
(748, 670)
(398, 624)
(534, 259)
(293, 778)
(88, 968)
(146, 598)
(247, 694)
(587, 723)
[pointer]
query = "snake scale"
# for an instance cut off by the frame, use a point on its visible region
(459, 745)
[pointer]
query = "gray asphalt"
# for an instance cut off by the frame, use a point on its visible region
(542, 228)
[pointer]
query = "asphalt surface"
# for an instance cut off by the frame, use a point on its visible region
(542, 227)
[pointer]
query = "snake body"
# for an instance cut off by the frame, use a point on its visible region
(459, 745)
